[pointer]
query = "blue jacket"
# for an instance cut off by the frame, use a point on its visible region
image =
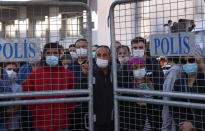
(5, 87)
(24, 71)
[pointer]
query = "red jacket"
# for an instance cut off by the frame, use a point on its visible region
(50, 117)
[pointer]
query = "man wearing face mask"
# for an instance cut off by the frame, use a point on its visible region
(123, 53)
(154, 72)
(75, 66)
(94, 48)
(102, 90)
(72, 51)
(52, 76)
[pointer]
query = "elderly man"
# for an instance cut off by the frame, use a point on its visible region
(102, 89)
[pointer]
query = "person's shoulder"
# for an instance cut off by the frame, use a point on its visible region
(37, 71)
(26, 65)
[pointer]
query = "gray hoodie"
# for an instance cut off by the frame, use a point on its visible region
(170, 77)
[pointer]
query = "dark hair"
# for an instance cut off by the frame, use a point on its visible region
(123, 46)
(96, 46)
(82, 39)
(169, 21)
(138, 39)
(72, 45)
(117, 42)
(51, 46)
(104, 46)
(174, 59)
(66, 57)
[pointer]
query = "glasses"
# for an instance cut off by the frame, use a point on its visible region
(190, 60)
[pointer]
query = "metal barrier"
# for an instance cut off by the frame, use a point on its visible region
(137, 109)
(25, 28)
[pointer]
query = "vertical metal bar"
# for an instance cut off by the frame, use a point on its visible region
(90, 73)
(114, 66)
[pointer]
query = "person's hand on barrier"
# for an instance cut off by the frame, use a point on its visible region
(186, 126)
(84, 67)
(199, 60)
(142, 104)
(122, 62)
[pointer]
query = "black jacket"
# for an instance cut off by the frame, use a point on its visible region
(102, 96)
(196, 116)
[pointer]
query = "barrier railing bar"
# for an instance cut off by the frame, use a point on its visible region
(45, 93)
(161, 93)
(43, 101)
(162, 102)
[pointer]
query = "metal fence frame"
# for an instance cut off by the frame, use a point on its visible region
(88, 91)
(118, 91)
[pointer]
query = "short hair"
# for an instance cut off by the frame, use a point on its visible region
(104, 46)
(117, 42)
(174, 59)
(72, 45)
(54, 45)
(66, 57)
(13, 63)
(96, 46)
(123, 46)
(138, 39)
(169, 21)
(82, 39)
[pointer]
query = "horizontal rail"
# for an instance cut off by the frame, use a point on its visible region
(42, 3)
(44, 101)
(162, 102)
(161, 93)
(45, 93)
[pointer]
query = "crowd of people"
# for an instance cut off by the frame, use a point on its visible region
(62, 69)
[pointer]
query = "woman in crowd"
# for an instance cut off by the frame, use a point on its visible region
(191, 81)
(132, 113)
(13, 121)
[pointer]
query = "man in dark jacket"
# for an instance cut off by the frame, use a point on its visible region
(80, 109)
(102, 90)
(75, 66)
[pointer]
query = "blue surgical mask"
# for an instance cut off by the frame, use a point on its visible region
(190, 68)
(52, 60)
(93, 54)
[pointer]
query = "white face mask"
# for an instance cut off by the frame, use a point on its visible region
(66, 66)
(139, 74)
(81, 52)
(101, 63)
(138, 53)
(74, 55)
(11, 74)
(123, 58)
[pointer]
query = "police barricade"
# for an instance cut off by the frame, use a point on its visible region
(158, 71)
(42, 86)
